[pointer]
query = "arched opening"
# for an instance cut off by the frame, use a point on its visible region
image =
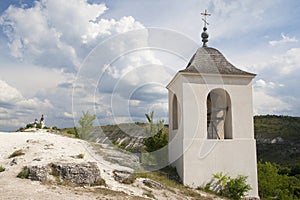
(219, 119)
(175, 113)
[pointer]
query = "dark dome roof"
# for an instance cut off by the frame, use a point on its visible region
(210, 61)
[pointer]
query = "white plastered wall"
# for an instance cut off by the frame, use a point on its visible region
(201, 158)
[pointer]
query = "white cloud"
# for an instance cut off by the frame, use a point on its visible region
(9, 94)
(59, 33)
(231, 16)
(68, 115)
(15, 109)
(265, 102)
(31, 79)
(108, 27)
(285, 39)
(288, 62)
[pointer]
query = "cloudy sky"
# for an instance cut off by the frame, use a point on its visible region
(114, 58)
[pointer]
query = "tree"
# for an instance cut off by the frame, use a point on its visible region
(157, 132)
(273, 185)
(86, 122)
(158, 138)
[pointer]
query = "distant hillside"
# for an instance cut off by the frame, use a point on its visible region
(278, 139)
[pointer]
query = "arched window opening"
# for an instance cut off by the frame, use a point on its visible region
(175, 113)
(219, 120)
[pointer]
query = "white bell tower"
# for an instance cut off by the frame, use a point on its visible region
(211, 120)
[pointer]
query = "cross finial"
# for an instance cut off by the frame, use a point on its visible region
(204, 34)
(205, 14)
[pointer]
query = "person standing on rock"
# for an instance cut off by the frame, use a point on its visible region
(42, 122)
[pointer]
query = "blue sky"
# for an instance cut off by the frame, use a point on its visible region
(54, 55)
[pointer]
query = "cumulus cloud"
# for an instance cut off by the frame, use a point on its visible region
(285, 39)
(134, 75)
(288, 62)
(59, 33)
(15, 109)
(266, 103)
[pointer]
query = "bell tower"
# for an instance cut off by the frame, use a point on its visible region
(211, 119)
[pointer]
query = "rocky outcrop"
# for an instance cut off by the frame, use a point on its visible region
(78, 174)
(38, 173)
(153, 184)
(123, 176)
(74, 173)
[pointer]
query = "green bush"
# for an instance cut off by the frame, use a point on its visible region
(86, 122)
(29, 126)
(81, 156)
(73, 132)
(273, 185)
(158, 138)
(233, 188)
(2, 169)
(24, 173)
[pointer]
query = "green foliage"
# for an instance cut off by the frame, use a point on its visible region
(81, 156)
(287, 152)
(158, 135)
(29, 126)
(21, 129)
(100, 182)
(24, 173)
(39, 126)
(74, 132)
(86, 122)
(16, 153)
(273, 185)
(236, 188)
(169, 178)
(2, 169)
(233, 188)
(158, 138)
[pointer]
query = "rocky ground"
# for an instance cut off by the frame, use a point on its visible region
(60, 167)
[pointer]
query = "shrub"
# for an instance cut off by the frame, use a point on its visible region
(73, 132)
(81, 156)
(236, 188)
(29, 126)
(21, 129)
(24, 173)
(233, 188)
(2, 169)
(86, 122)
(16, 153)
(158, 138)
(100, 182)
(273, 185)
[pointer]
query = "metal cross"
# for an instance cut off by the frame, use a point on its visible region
(205, 14)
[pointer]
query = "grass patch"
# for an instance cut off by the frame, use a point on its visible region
(149, 194)
(17, 153)
(166, 177)
(2, 169)
(100, 182)
(80, 156)
(24, 173)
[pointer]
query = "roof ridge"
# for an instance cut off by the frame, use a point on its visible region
(208, 60)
